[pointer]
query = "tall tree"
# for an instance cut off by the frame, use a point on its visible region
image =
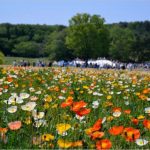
(122, 41)
(55, 47)
(88, 36)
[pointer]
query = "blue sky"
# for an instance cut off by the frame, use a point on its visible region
(60, 11)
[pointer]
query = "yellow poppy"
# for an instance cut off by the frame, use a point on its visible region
(47, 137)
(62, 127)
(64, 144)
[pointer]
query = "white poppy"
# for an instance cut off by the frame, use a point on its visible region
(31, 89)
(79, 117)
(29, 106)
(34, 98)
(61, 97)
(103, 120)
(38, 115)
(147, 110)
(95, 104)
(39, 123)
(126, 102)
(148, 99)
(117, 114)
(24, 95)
(38, 92)
(141, 142)
(12, 109)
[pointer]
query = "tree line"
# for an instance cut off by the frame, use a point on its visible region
(86, 37)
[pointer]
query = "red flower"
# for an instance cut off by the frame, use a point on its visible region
(97, 134)
(131, 134)
(78, 105)
(83, 112)
(128, 111)
(68, 102)
(103, 144)
(116, 130)
(146, 124)
(135, 121)
(97, 125)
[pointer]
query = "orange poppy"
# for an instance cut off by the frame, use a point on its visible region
(97, 134)
(83, 112)
(135, 121)
(116, 130)
(78, 105)
(116, 109)
(103, 144)
(3, 130)
(146, 124)
(15, 125)
(131, 134)
(9, 79)
(97, 125)
(77, 144)
(3, 134)
(68, 102)
(128, 111)
(146, 91)
(6, 86)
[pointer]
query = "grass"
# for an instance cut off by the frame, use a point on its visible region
(9, 60)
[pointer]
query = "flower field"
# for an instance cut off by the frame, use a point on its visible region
(74, 108)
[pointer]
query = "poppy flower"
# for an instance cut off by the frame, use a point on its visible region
(146, 124)
(36, 140)
(116, 130)
(68, 102)
(3, 130)
(47, 137)
(97, 134)
(131, 134)
(62, 127)
(103, 144)
(77, 144)
(29, 106)
(128, 111)
(64, 144)
(141, 142)
(135, 121)
(97, 125)
(15, 125)
(117, 109)
(3, 134)
(83, 112)
(12, 109)
(78, 105)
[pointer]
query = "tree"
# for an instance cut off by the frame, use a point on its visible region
(1, 57)
(27, 49)
(55, 47)
(121, 45)
(88, 36)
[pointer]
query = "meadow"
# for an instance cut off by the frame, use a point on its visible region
(47, 108)
(9, 60)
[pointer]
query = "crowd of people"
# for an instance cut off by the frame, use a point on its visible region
(38, 63)
(99, 64)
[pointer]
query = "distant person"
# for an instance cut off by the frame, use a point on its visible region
(14, 63)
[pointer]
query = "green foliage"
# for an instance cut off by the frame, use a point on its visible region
(56, 48)
(88, 36)
(1, 57)
(27, 49)
(121, 43)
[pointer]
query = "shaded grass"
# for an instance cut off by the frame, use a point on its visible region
(9, 60)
